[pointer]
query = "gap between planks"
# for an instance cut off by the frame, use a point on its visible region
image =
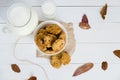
(78, 43)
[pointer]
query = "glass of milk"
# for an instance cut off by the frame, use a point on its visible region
(49, 9)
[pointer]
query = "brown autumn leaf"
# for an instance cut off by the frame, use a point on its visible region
(84, 68)
(84, 19)
(15, 68)
(33, 78)
(84, 23)
(117, 53)
(104, 65)
(103, 11)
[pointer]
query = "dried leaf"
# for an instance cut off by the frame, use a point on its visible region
(84, 68)
(84, 23)
(15, 68)
(104, 65)
(84, 19)
(117, 53)
(33, 78)
(103, 11)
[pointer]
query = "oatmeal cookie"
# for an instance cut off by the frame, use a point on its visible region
(43, 31)
(58, 45)
(62, 35)
(40, 44)
(53, 29)
(40, 35)
(55, 61)
(55, 57)
(65, 58)
(49, 39)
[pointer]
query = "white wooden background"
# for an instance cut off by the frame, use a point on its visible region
(94, 45)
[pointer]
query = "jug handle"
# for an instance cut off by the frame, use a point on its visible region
(5, 30)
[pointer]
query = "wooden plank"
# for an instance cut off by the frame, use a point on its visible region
(6, 2)
(74, 14)
(99, 33)
(93, 13)
(26, 72)
(95, 53)
(96, 73)
(87, 3)
(75, 2)
(83, 53)
(64, 73)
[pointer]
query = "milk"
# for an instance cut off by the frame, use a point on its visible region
(49, 9)
(18, 15)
